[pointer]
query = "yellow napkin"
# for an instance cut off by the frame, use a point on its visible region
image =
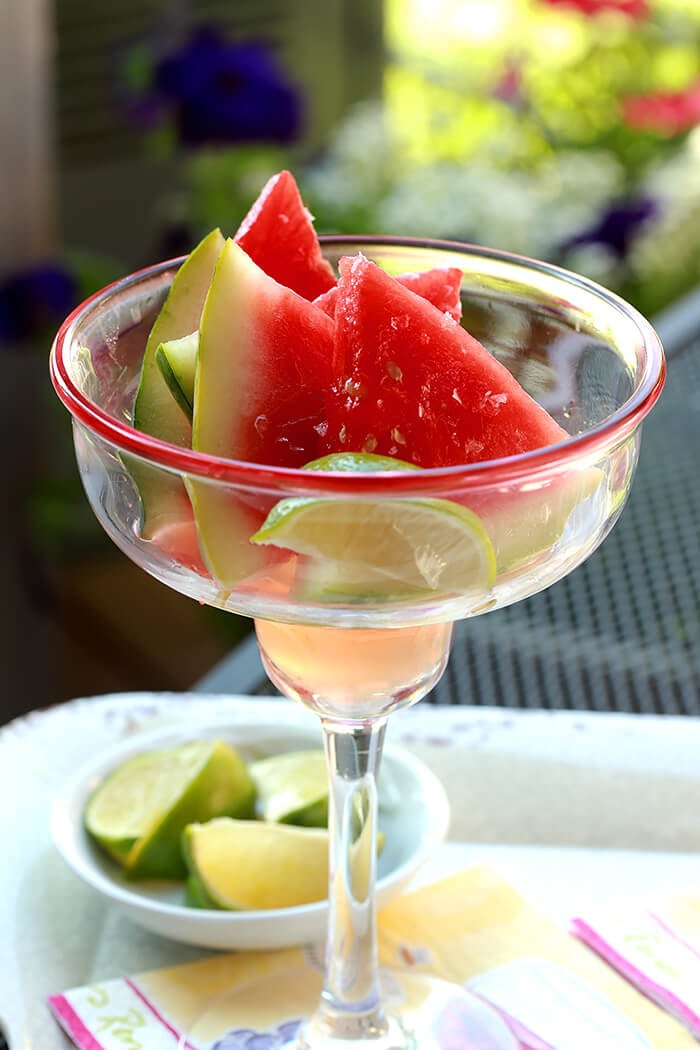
(472, 928)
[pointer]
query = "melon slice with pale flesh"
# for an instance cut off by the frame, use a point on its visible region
(167, 514)
(155, 412)
(177, 360)
(279, 233)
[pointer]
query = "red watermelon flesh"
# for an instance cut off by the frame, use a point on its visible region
(327, 300)
(178, 538)
(417, 386)
(440, 286)
(278, 235)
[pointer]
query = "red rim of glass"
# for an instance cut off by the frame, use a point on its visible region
(613, 430)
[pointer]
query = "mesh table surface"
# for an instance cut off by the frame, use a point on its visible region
(620, 633)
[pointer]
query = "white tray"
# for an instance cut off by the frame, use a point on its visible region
(513, 778)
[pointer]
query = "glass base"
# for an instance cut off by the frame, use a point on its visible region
(422, 1013)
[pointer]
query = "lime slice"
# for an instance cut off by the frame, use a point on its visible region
(379, 547)
(249, 864)
(137, 814)
(359, 462)
(292, 788)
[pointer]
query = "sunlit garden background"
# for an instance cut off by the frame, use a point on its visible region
(562, 129)
(566, 130)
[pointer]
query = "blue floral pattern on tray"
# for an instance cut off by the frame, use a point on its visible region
(249, 1039)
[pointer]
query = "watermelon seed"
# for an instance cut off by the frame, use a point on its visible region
(491, 403)
(394, 371)
(370, 443)
(261, 425)
(354, 388)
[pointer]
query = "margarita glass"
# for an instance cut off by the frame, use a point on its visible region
(355, 654)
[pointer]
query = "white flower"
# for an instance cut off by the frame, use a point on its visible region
(359, 161)
(529, 212)
(597, 262)
(488, 198)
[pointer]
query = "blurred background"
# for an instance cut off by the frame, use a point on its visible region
(563, 129)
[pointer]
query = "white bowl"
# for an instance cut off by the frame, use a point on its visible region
(413, 814)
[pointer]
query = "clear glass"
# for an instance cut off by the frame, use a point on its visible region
(588, 357)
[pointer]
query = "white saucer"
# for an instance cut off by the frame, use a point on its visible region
(413, 814)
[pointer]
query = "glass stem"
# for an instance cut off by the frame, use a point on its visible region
(350, 1006)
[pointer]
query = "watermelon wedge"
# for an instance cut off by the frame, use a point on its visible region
(264, 362)
(284, 364)
(440, 286)
(416, 385)
(264, 365)
(278, 234)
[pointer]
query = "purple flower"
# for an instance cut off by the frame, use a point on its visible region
(220, 93)
(34, 302)
(617, 226)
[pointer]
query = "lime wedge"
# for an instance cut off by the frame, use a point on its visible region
(137, 814)
(382, 547)
(248, 864)
(115, 815)
(292, 788)
(237, 865)
(359, 462)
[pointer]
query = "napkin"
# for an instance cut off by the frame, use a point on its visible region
(471, 927)
(656, 946)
